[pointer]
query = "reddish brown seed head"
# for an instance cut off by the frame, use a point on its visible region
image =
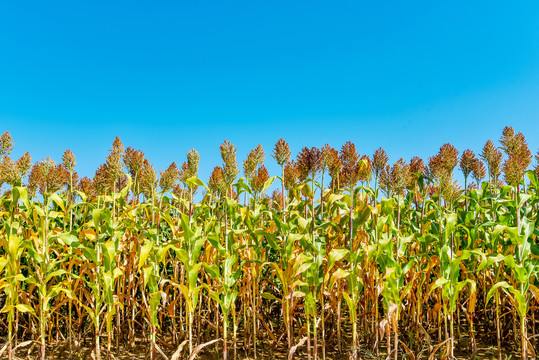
(260, 179)
(281, 152)
(309, 162)
(115, 166)
(216, 183)
(87, 187)
(23, 164)
(230, 166)
(255, 159)
(478, 171)
(450, 157)
(6, 144)
(519, 156)
(417, 167)
(148, 179)
(68, 160)
(8, 171)
(169, 177)
(133, 160)
(349, 158)
(47, 177)
(467, 162)
(291, 175)
(379, 160)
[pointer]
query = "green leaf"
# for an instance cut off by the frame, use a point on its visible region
(187, 232)
(363, 213)
(21, 193)
(193, 181)
(334, 256)
(25, 309)
(69, 240)
(123, 193)
(439, 282)
(144, 253)
(90, 254)
(519, 298)
(533, 178)
(212, 270)
(193, 275)
(58, 201)
(267, 184)
(352, 306)
(269, 296)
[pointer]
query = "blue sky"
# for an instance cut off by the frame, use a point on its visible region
(168, 76)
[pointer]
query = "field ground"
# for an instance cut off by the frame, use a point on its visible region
(265, 351)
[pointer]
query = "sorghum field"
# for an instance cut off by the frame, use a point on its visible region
(351, 257)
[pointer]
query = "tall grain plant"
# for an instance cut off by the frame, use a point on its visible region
(281, 154)
(394, 259)
(518, 159)
(12, 173)
(230, 172)
(46, 178)
(349, 175)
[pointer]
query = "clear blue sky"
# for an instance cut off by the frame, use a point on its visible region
(167, 76)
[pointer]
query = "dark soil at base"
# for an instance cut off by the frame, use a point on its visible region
(264, 351)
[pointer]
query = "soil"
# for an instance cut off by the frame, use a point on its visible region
(264, 351)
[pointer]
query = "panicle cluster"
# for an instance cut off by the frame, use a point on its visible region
(148, 179)
(6, 144)
(260, 179)
(12, 172)
(23, 164)
(193, 160)
(8, 171)
(255, 158)
(394, 179)
(325, 157)
(334, 163)
(493, 157)
(69, 163)
(364, 170)
(276, 198)
(86, 186)
(433, 190)
(309, 162)
(291, 175)
(350, 169)
(189, 168)
(169, 177)
(519, 156)
(346, 166)
(417, 168)
(230, 166)
(450, 191)
(478, 171)
(101, 181)
(467, 161)
(354, 168)
(379, 161)
(217, 184)
(47, 177)
(281, 152)
(68, 160)
(442, 164)
(114, 162)
(450, 157)
(133, 161)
